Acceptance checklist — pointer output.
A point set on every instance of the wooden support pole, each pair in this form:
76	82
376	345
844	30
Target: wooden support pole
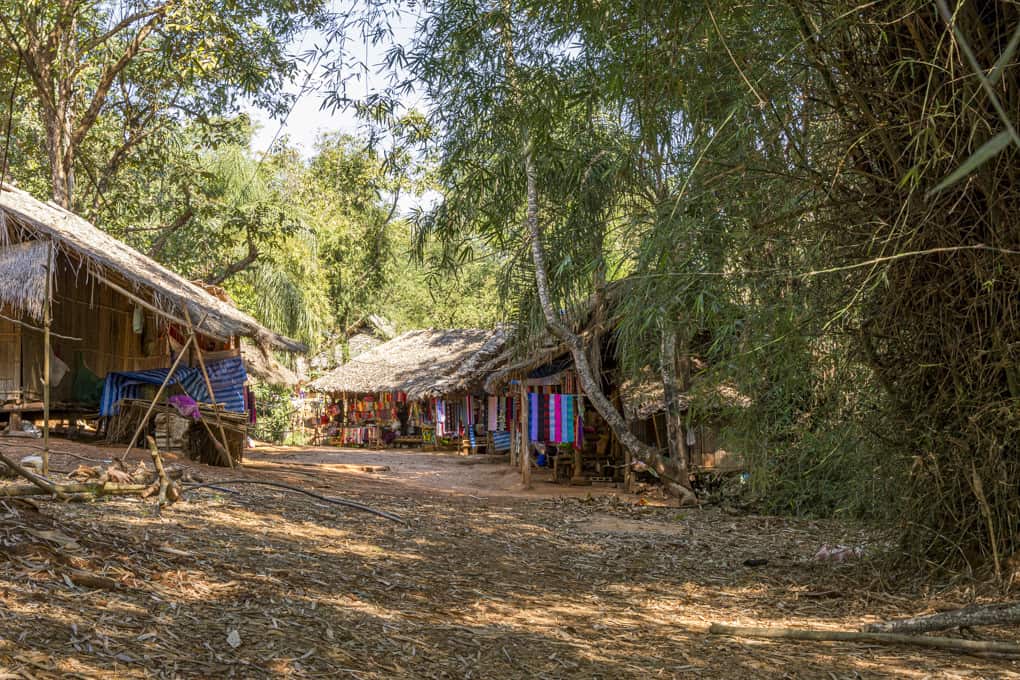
47	321
225	451
155	399
951	644
628	471
526	444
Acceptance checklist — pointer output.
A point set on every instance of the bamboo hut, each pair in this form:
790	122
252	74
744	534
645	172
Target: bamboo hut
591	453
644	407
427	380
76	305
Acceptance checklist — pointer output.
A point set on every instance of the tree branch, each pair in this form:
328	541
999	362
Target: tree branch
110	73
239	266
121	25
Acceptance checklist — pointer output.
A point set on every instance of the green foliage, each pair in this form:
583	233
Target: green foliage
273	414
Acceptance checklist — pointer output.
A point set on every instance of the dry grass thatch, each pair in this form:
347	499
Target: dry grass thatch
80	241
645	397
23	277
264	367
423	363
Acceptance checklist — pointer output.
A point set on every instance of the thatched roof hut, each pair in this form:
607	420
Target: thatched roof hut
34	224
646	397
422	363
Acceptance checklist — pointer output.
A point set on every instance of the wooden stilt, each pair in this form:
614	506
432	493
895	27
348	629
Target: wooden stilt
628	472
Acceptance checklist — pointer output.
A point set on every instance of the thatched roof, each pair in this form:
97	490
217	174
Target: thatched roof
422	363
264	367
645	397
23	277
104	256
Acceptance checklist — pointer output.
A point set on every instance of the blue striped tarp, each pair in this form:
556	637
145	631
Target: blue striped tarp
128	385
501	441
227	378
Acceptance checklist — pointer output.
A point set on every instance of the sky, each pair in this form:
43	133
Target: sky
308	118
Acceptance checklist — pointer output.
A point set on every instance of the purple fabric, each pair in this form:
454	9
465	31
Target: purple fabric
186	406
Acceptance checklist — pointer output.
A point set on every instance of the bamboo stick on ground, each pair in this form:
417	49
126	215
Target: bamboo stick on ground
167	492
949	644
1005	613
39	482
94	490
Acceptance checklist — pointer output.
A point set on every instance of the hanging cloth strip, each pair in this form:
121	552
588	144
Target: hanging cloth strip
440	418
544	417
492	413
554	418
567	418
533	416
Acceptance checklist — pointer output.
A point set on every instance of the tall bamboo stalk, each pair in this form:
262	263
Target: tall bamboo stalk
47	321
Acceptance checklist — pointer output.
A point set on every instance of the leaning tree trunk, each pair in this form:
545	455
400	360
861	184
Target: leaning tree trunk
586	376
679	456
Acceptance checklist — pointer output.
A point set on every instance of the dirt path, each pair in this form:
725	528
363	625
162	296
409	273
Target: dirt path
479	584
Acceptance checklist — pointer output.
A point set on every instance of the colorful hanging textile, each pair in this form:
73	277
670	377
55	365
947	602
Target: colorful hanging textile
533	425
554	418
492	413
440	418
544	417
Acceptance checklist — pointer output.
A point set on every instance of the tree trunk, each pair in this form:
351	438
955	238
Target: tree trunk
61	154
586	376
679	456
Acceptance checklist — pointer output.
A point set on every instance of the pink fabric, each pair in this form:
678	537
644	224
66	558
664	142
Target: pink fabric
557	419
186	406
492	405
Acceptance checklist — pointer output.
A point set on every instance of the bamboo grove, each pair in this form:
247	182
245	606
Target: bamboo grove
814	199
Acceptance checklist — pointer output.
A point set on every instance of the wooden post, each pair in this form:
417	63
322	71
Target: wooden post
628	471
155	399
526	444
47	320
225	451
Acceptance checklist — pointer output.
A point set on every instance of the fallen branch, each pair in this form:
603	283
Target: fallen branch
950	644
39	481
1006	613
92	490
167	490
336	501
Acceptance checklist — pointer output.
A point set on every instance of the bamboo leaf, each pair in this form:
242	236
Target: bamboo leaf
987	151
1006	57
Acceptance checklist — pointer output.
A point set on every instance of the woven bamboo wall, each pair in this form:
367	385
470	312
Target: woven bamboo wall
102	319
10	358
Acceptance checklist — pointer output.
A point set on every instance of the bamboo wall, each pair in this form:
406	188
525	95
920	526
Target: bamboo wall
10	358
82	309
